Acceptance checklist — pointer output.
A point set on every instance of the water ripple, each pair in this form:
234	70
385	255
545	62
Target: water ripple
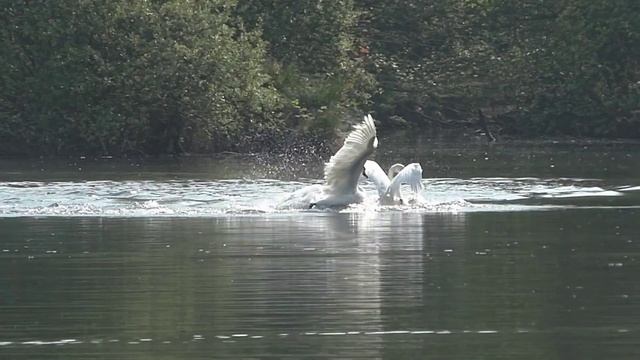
250	197
252	337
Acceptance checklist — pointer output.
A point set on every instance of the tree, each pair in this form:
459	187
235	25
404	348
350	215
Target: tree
313	53
120	76
562	67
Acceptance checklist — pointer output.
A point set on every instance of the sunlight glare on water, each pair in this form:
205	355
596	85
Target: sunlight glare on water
229	197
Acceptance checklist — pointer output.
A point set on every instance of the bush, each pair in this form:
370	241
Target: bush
131	76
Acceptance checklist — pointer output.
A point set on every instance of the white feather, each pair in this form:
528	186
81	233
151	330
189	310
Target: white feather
410	175
374	172
343	170
341	173
389	190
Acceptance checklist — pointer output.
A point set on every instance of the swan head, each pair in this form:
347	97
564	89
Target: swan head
394	170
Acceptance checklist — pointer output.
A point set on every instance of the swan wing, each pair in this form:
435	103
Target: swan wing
343	170
410	175
374	172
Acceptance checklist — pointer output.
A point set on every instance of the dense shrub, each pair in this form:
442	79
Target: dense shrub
123	76
313	51
168	76
540	68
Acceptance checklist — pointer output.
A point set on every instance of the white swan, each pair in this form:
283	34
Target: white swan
388	185
341	173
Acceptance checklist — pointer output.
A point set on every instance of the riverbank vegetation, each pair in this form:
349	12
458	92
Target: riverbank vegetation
169	76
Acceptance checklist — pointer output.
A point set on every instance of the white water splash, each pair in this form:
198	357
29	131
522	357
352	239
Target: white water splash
193	198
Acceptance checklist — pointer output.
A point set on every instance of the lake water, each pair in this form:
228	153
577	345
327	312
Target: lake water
520	250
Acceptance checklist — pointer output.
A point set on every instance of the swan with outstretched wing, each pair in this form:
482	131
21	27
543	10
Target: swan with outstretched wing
341	173
389	184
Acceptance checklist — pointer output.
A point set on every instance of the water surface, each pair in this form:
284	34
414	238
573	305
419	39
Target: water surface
523	250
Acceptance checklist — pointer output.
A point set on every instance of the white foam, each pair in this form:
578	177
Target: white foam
243	197
630	188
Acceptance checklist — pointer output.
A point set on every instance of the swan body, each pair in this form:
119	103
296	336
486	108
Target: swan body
388	185
341	173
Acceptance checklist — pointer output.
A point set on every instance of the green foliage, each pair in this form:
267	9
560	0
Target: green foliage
424	54
312	47
561	67
167	76
575	64
121	76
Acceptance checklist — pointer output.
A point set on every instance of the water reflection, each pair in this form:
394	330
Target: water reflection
264	277
332	284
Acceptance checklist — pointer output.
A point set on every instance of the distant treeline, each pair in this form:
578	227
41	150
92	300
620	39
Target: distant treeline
170	76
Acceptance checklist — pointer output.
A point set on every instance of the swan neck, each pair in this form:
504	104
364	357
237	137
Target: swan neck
394	170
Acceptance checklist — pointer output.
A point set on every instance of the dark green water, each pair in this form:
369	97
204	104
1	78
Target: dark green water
553	274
